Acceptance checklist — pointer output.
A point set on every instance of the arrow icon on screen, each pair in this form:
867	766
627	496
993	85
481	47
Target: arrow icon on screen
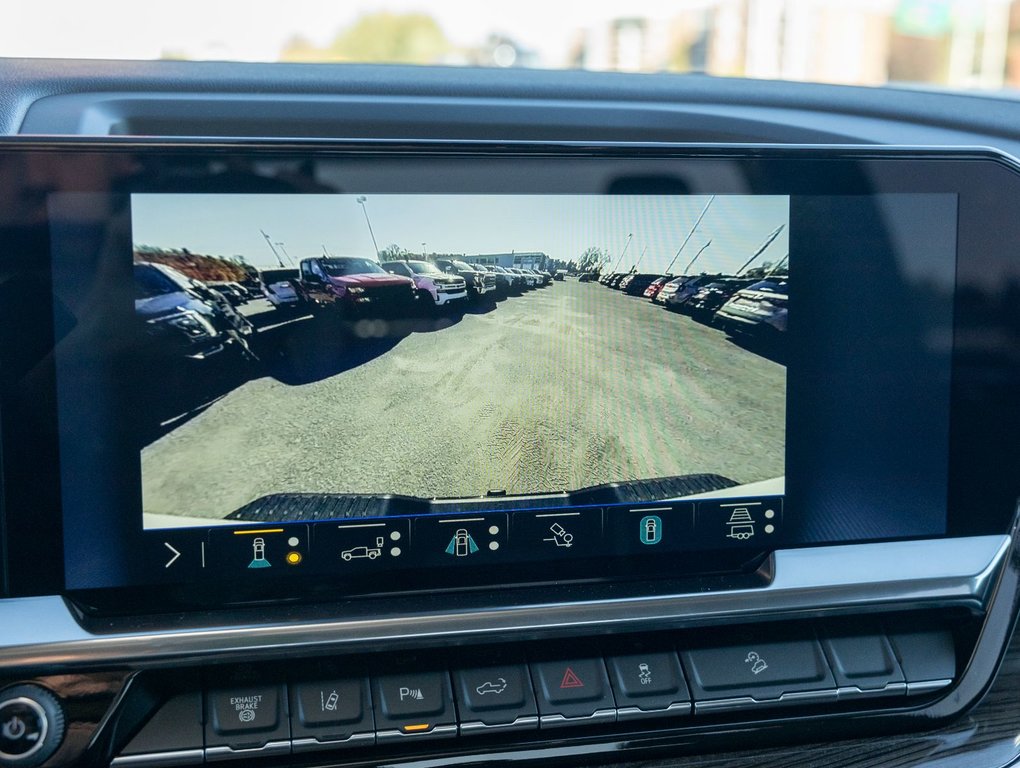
173	559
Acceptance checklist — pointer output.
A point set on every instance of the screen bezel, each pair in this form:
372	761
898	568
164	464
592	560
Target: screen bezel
980	177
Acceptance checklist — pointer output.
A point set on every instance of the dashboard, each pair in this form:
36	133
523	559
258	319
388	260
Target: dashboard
434	417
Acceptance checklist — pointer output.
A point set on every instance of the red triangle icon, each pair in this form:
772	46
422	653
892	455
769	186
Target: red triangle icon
571	680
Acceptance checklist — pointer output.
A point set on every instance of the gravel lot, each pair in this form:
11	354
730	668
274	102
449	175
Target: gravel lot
564	387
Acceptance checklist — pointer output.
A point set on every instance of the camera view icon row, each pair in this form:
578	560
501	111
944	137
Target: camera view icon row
368	544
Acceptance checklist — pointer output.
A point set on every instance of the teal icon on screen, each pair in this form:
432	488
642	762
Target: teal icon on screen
462	544
258	559
650	530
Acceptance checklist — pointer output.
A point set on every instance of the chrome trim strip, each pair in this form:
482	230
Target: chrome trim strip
41	632
853	692
312	744
749	702
229	753
555	720
160	759
633	713
477	726
927	686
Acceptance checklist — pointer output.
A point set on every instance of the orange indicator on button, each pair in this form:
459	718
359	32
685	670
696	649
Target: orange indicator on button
293	558
416	728
252	532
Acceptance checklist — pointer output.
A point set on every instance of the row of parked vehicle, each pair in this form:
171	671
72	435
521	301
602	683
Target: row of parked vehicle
198	320
354	286
739	305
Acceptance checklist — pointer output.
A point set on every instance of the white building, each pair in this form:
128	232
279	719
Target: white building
529	259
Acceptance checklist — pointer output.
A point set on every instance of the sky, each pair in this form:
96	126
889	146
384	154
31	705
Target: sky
561	226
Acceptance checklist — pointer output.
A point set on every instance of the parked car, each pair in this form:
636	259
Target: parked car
233	292
544	278
280	287
560	275
190	319
617	279
355	287
252	288
588	277
506	282
656	285
530	280
758	310
637	283
707	300
479	283
547	276
677	298
608	277
435	287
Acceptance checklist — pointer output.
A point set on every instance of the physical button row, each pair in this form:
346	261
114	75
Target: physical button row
419	705
350	712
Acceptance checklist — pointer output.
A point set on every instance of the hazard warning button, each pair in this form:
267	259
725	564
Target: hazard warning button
574	691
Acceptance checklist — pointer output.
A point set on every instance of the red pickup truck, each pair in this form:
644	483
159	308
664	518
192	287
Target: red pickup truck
355	287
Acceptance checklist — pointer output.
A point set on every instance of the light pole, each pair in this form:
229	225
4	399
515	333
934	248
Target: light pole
641	257
272	248
624	253
284	252
690	234
701	251
362	202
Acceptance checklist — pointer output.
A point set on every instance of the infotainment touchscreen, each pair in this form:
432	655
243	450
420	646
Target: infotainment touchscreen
346	362
258	372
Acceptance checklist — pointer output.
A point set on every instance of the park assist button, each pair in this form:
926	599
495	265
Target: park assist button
414	704
495	697
246	717
758	671
573	692
648	684
749	523
331	712
649	528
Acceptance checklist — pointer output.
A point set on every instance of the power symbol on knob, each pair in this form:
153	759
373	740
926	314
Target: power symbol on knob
31	725
14	728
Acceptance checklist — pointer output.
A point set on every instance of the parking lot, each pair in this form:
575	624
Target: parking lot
563	387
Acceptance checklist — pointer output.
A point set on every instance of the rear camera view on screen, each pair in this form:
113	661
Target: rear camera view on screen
308	351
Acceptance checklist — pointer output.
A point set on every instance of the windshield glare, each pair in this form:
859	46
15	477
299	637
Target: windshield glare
948	43
341	267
